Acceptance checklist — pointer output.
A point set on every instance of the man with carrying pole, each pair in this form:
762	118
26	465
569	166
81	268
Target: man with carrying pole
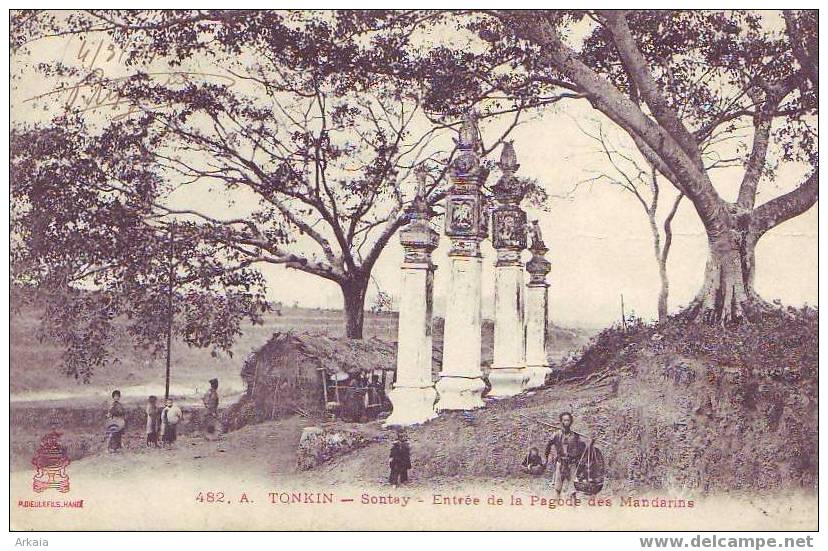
568	448
576	461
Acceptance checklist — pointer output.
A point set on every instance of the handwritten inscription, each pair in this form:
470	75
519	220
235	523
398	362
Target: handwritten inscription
94	90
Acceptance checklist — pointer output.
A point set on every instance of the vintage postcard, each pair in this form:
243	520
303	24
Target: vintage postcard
413	270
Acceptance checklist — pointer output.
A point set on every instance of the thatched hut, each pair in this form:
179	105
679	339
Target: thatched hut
315	373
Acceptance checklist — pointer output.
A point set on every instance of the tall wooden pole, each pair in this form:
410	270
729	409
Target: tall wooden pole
170	276
623	314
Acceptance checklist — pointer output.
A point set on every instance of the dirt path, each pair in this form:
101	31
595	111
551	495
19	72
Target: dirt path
268	449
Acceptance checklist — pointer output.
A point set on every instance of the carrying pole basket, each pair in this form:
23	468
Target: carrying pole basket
589	473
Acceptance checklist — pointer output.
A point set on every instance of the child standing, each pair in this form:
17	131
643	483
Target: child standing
400	460
170	416
116	422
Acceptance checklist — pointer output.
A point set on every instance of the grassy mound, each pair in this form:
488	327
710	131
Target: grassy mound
701	408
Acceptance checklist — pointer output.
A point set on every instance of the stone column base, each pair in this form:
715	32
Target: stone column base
507	381
460	393
412	406
537	375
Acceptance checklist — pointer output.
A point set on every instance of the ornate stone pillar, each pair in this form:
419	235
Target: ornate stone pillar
537	316
508	376
413	395
461	380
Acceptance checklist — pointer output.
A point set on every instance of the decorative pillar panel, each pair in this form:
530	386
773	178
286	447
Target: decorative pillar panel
413	395
537	316
461	381
508	376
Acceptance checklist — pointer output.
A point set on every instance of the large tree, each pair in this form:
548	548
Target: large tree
674	79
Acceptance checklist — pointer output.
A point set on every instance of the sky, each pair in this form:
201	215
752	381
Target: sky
599	239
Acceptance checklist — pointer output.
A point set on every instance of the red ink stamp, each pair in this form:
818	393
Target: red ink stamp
50	462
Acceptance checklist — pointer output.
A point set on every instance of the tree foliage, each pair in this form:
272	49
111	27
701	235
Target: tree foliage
285	114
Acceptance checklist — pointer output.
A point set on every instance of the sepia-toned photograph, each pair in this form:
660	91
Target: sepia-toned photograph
413	270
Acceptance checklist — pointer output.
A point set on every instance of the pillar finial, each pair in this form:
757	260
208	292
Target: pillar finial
508	188
466	168
469	138
417	237
508	158
536	244
420	209
538	266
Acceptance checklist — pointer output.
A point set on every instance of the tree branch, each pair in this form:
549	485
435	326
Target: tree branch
638	72
787	206
668	228
756	161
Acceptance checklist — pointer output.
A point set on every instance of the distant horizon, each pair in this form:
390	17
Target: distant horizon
395	312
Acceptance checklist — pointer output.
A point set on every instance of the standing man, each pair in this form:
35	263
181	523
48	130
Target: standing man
116	422
170	417
568	447
357	398
400	460
211	404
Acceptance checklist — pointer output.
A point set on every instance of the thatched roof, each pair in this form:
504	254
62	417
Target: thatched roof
283	375
334	354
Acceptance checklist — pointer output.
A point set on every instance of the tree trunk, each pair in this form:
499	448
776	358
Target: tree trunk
353	293
661	259
727	294
664	292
